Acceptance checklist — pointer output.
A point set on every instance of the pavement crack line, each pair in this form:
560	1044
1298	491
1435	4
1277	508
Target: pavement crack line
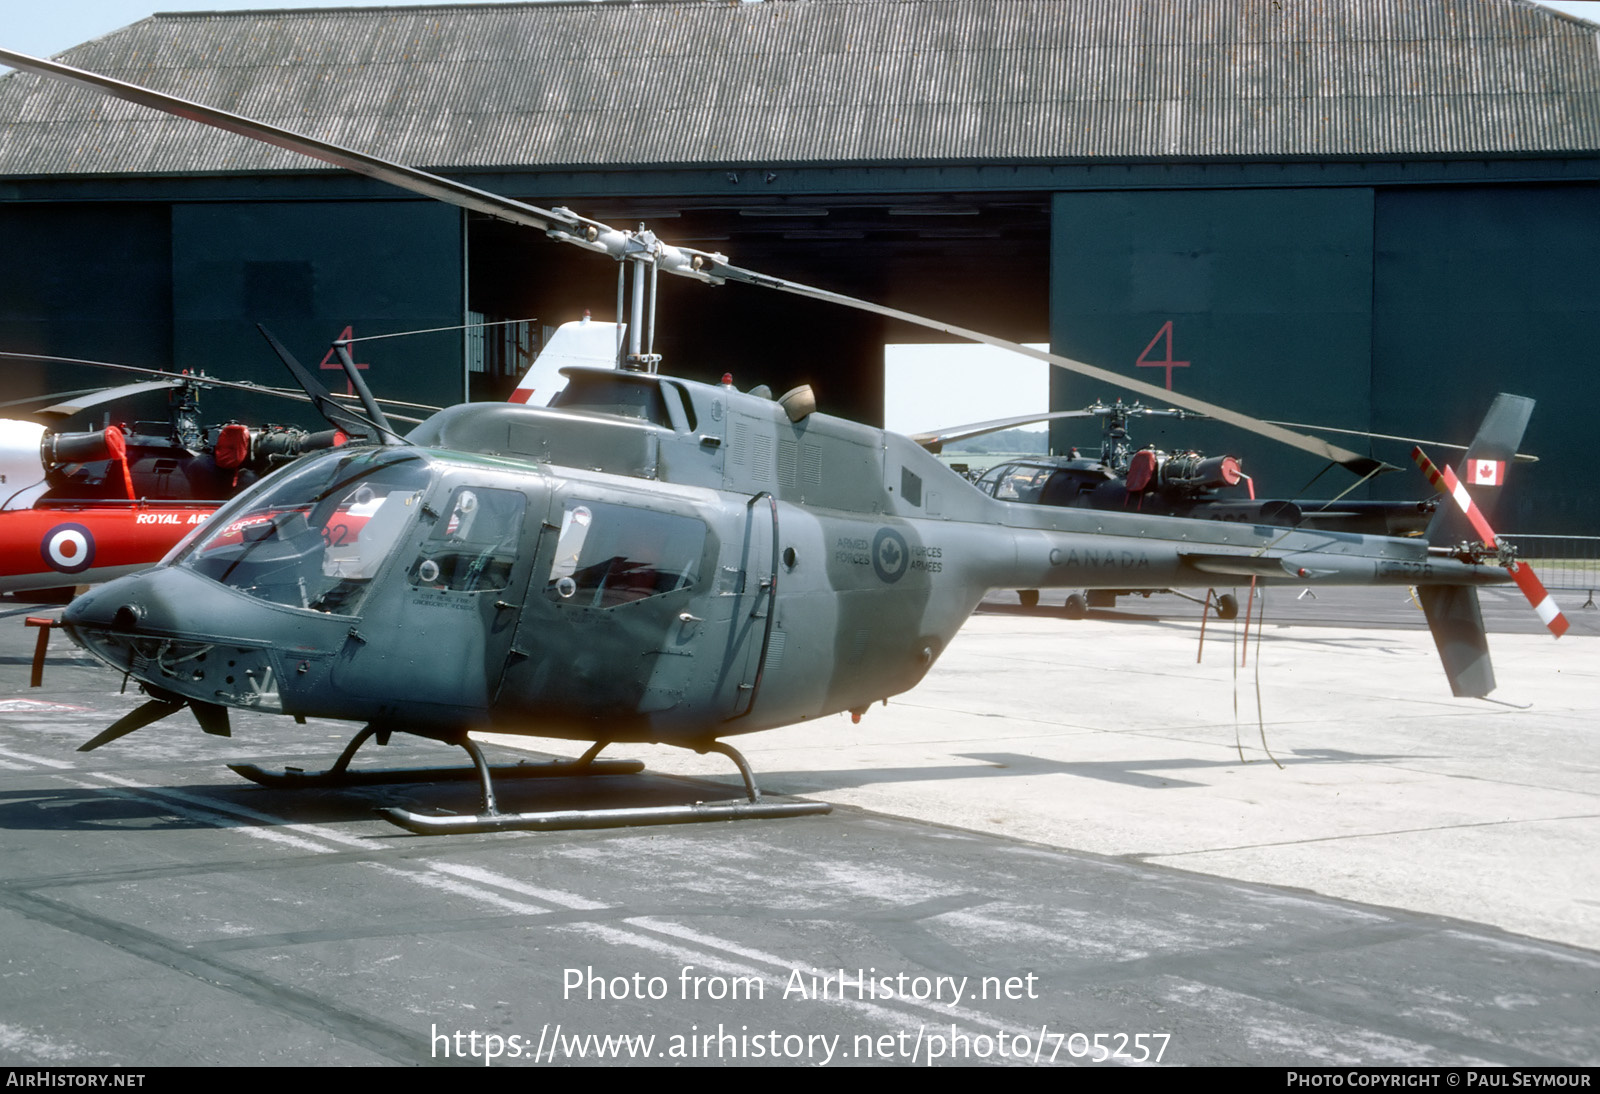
1156	856
389	1042
469	882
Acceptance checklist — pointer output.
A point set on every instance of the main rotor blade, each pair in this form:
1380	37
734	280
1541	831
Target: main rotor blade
77	405
407	178
935	441
173	379
1361	465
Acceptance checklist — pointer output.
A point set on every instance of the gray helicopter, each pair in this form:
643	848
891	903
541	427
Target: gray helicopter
647	559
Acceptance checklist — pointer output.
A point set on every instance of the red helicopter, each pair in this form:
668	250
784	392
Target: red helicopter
79	507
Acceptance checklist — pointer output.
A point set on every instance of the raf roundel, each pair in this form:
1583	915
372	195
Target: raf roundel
68	548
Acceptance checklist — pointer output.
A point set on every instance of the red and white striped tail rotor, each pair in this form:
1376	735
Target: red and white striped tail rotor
1445	481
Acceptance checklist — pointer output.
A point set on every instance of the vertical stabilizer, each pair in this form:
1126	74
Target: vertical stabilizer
1457	626
1483	470
1454	617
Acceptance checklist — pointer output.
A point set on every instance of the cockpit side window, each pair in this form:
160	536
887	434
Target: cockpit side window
473	544
608	555
1021	483
992	477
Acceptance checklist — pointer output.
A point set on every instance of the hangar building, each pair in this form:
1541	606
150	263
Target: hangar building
1352	213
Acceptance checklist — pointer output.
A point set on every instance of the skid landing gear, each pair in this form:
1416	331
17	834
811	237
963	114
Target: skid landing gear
340	775
489	818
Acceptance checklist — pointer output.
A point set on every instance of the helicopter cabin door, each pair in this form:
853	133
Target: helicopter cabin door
616	629
747	587
447	630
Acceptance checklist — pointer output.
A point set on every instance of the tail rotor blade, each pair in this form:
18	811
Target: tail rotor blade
1445	481
1534	590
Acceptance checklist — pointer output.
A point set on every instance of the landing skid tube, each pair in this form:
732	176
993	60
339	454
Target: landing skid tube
340	775
490	819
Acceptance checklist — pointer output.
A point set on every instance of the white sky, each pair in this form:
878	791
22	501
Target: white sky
935	387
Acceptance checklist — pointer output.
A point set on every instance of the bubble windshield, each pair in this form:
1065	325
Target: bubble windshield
317	536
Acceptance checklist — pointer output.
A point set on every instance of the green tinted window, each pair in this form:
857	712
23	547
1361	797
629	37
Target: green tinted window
473	544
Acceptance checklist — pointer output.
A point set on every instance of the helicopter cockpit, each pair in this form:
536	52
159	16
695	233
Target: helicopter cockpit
315	538
1058	481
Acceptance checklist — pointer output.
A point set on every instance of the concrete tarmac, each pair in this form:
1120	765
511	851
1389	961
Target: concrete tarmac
1333	759
1070	828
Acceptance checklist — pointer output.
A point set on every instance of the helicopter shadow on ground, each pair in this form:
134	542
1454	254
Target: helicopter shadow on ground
194	806
1144	774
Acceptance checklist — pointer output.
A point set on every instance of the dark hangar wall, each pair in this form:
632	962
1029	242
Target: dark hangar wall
1402	310
1486	289
183	285
82	279
307	270
1264	294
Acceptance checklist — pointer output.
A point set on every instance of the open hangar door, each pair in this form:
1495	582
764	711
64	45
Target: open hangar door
982	263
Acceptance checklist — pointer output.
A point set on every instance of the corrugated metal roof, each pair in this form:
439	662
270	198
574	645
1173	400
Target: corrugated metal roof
713	82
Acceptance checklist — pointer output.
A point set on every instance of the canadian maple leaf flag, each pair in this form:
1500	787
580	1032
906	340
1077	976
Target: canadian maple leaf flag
1486	472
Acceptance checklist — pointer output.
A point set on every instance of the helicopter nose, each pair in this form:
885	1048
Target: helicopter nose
128	604
199	641
109	620
171	610
159	626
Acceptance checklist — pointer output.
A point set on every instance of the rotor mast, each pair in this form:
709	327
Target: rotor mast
640	257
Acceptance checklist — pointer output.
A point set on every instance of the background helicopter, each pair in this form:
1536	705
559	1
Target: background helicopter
91	505
649	558
1181	483
81	506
